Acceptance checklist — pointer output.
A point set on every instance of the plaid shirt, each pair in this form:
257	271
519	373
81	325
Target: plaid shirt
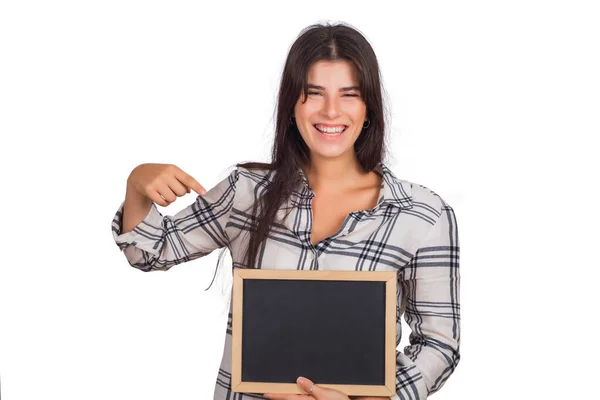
411	230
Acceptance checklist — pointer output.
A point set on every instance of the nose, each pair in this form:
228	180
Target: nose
332	107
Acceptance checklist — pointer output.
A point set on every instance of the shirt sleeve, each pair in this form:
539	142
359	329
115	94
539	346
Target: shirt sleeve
431	287
158	242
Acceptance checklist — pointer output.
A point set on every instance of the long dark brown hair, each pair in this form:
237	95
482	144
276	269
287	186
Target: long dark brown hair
318	42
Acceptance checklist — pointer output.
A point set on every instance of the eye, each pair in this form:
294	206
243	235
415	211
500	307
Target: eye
345	95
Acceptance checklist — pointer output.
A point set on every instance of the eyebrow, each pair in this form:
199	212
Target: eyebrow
344	89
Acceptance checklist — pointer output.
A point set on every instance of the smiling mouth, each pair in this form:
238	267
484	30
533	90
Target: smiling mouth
330	131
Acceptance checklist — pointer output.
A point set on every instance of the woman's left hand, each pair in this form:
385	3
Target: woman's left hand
314	392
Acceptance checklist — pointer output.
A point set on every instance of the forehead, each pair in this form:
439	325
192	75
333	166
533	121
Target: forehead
332	74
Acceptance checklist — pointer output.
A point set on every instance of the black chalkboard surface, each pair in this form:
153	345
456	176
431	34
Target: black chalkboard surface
336	328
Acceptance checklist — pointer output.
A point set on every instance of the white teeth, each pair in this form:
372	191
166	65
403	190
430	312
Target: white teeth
324	129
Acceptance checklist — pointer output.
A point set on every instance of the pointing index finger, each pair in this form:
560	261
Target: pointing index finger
197	187
191	183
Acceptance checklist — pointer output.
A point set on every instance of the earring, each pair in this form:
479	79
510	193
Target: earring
368	121
292	120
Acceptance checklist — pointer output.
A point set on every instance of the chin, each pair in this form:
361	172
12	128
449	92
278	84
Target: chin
332	154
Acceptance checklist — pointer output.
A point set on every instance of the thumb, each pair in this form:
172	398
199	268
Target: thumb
309	387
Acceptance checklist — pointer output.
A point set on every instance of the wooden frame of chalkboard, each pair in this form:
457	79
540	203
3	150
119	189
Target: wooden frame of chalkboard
337	328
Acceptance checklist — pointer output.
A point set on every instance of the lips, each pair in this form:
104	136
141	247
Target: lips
316	126
330	136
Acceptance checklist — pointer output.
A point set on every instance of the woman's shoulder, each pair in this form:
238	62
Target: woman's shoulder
250	169
247	177
424	194
412	194
250	175
428	206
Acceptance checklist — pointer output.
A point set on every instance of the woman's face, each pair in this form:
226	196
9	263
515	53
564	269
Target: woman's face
334	104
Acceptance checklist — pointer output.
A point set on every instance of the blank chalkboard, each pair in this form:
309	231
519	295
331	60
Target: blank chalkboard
336	328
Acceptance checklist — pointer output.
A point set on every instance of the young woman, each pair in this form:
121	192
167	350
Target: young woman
325	201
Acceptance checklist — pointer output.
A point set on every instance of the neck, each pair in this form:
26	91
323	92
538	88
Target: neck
334	174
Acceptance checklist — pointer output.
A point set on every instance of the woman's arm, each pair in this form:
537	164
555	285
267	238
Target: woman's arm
158	242
135	208
430	285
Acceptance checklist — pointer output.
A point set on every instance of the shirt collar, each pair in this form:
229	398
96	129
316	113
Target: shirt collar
394	191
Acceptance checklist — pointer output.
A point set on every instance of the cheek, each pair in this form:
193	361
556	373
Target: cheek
356	110
305	110
299	111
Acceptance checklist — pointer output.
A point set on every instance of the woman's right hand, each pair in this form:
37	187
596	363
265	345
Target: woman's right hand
162	183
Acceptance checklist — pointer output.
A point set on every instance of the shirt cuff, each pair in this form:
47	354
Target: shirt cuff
145	236
410	383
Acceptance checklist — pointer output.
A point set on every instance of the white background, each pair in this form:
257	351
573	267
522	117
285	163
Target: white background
494	106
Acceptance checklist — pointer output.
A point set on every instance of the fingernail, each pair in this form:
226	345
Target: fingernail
301	381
